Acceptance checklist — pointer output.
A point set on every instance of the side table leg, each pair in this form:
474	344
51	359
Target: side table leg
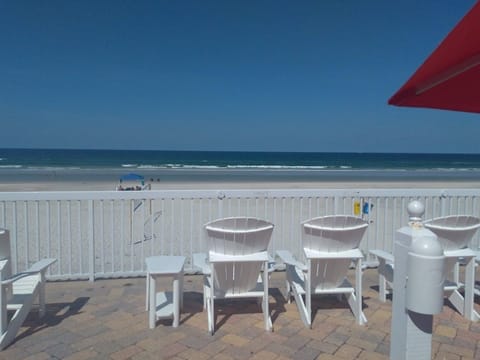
152	305
176	300
181	290
469	285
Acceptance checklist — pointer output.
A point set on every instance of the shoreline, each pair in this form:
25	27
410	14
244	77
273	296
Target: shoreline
168	179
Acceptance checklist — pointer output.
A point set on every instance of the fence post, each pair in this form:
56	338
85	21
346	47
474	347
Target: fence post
91	241
417	288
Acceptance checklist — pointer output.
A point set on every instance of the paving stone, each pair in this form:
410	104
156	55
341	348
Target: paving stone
172	349
82	355
240	353
347	351
193	354
39	356
306	353
235	340
323	346
457	350
126	353
264	355
446	331
362	344
214	348
369	355
59	351
336	338
296	341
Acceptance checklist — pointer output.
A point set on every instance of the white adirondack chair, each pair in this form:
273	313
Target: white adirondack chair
330	245
236	258
18	292
454	233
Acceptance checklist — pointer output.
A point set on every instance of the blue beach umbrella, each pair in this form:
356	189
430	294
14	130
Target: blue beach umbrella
132	177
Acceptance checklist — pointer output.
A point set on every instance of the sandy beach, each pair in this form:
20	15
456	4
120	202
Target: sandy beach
166	179
107	186
166	185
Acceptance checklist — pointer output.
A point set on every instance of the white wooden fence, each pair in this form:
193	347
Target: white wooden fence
109	234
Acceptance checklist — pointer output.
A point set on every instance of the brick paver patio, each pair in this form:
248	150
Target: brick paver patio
107	320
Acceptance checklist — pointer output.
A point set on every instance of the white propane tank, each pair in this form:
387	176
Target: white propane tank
426	276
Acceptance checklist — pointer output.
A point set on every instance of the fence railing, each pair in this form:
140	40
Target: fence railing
110	233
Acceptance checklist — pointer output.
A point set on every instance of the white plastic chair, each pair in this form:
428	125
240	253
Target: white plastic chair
454	233
330	245
236	258
18	292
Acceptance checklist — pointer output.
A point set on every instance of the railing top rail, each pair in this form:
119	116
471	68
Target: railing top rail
232	193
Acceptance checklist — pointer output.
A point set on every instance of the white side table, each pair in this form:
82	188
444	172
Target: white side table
168	303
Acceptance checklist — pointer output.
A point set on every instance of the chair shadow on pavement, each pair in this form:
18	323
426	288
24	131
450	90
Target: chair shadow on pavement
334	305
376	289
226	308
55	314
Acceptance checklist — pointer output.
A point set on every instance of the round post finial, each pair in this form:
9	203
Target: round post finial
415	209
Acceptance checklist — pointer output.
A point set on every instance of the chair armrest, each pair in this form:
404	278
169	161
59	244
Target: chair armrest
200	262
41	265
383	255
4	269
287	257
11	280
271	264
3	264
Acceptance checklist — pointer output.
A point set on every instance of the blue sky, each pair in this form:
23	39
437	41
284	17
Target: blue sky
223	75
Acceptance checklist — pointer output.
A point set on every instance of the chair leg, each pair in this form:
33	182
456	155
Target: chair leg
205	289
147	293
266	310
41	296
3	310
288	281
211	316
382	288
355	299
304	310
211	303
288	292
382	281
308	292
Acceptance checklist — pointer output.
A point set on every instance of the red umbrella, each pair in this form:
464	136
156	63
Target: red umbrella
450	77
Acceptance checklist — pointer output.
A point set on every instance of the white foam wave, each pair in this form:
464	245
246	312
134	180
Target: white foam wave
281	167
11	166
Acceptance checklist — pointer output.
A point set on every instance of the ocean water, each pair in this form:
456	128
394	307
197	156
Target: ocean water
36	164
